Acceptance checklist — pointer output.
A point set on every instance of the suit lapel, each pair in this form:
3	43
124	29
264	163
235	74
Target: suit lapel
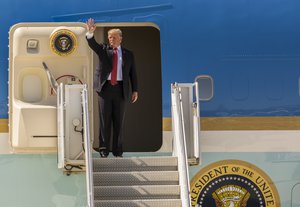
124	58
110	55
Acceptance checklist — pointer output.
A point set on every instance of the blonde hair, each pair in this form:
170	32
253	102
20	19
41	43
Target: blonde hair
114	31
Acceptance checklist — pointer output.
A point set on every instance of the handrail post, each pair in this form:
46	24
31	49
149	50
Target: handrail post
180	145
87	146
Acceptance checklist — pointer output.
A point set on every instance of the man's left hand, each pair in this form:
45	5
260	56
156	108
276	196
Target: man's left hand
134	97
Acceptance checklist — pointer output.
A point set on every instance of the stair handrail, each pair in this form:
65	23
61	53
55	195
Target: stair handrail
196	124
180	145
87	146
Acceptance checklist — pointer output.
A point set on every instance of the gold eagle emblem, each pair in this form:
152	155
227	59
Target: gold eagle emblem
63	42
231	196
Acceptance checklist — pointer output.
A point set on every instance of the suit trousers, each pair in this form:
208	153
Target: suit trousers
111	112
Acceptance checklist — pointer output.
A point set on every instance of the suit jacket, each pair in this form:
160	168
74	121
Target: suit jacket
105	54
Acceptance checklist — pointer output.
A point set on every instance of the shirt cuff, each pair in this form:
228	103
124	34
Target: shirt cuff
89	35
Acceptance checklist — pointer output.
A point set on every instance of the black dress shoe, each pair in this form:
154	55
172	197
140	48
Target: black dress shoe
117	153
103	154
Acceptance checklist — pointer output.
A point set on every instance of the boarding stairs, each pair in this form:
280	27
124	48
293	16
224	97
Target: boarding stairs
135	180
156	181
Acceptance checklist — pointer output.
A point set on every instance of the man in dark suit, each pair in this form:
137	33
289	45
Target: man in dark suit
116	71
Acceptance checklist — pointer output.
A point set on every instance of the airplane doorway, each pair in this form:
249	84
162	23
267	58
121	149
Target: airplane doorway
143	120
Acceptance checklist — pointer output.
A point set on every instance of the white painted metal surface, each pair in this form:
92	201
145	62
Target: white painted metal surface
88	147
60	127
191	116
180	145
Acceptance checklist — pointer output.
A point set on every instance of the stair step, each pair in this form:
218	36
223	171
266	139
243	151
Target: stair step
136	178
139	203
136	192
135	164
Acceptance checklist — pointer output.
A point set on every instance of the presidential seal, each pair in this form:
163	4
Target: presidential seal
233	183
63	42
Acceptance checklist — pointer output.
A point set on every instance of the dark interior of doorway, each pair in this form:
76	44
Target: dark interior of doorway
143	120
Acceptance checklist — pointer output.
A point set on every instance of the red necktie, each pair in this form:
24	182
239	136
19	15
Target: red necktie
113	77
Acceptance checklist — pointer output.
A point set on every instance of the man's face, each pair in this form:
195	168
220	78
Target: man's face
114	39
